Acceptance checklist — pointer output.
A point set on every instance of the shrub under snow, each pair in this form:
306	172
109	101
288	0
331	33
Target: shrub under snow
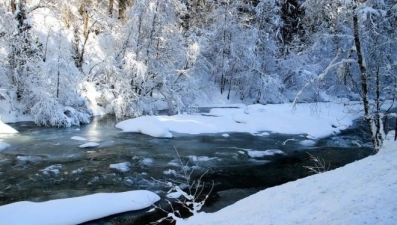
50	112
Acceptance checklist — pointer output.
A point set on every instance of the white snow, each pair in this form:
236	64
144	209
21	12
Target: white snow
8	114
6	129
174	195
3	146
261	134
29	158
363	192
170	172
203	158
78	138
89	145
53	169
259	154
75	210
77	171
122	167
92	95
147	161
149	125
307	142
225	135
317	120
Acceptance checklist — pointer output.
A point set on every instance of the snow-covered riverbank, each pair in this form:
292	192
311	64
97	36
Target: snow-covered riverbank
6	129
315	119
359	193
75	210
362	192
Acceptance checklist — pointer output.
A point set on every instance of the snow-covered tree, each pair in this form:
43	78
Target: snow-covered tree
40	77
361	28
151	62
243	47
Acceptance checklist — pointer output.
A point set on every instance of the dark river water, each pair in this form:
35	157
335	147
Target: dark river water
46	163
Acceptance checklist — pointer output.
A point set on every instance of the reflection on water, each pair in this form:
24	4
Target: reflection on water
45	163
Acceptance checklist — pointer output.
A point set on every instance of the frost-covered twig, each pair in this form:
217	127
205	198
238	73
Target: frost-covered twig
291	139
298	95
188	198
320	165
335	62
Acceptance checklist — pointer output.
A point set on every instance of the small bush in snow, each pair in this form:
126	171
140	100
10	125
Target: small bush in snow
49	112
320	166
188	193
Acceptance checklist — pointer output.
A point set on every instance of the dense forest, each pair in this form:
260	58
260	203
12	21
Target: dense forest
61	62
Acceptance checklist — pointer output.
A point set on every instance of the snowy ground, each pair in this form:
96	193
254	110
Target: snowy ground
363	192
75	210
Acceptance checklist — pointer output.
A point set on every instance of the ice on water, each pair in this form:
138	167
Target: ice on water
122	167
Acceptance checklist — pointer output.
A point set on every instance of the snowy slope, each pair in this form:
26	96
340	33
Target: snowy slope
363	192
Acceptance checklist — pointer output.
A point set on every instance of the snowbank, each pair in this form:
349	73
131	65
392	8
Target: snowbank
363	192
6	129
75	210
317	120
149	125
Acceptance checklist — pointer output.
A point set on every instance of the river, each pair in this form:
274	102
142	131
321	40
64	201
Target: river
46	163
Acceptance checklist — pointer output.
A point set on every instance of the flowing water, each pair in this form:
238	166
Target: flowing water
46	163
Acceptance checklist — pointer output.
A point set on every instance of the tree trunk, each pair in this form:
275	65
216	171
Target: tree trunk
373	128
58	80
223	62
85	18
379	135
21	17
76	47
110	8
122	7
151	35
13	6
83	12
226	50
138	41
395	131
